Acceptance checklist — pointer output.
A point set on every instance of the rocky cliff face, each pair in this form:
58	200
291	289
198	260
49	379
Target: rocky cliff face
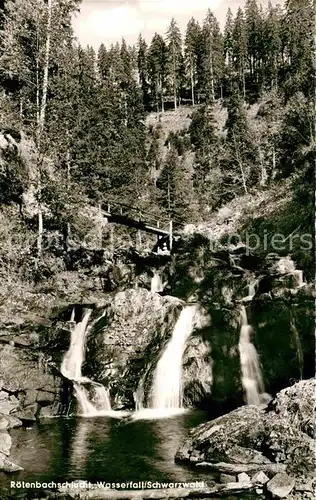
134	326
124	347
126	343
279	305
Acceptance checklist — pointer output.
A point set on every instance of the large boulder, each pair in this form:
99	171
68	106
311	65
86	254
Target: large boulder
280	433
197	371
8	466
5	443
281	485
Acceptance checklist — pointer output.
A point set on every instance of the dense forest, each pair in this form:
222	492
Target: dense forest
79	121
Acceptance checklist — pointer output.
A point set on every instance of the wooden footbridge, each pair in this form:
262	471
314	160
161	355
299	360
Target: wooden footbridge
125	215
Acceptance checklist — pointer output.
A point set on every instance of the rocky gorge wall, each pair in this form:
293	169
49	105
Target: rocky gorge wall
135	324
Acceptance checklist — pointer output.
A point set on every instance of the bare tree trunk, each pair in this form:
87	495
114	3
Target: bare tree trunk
46	67
100	226
169	198
161	95
125	110
243	83
211	70
298	347
273	173
192	87
68	190
174	86
314	61
264	175
21	108
241	167
41	112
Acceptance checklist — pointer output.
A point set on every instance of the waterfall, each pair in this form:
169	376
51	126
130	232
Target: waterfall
287	266
73	359
156	284
71	369
251	375
252	289
167	387
72	317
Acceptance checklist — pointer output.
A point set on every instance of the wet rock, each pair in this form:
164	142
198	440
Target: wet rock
14	400
260	477
197	371
243	478
223	439
13	421
20	373
304	486
46	412
227	478
6	407
5	443
3	423
3	396
45	398
30	397
281	485
26	339
8	466
28	414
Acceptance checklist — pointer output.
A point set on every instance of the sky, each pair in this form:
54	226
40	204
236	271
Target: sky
107	21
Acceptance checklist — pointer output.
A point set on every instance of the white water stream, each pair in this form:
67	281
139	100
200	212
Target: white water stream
251	376
156	284
167	387
71	369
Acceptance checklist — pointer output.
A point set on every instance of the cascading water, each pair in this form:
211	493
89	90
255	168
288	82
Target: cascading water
73	359
71	369
251	375
252	289
156	284
167	388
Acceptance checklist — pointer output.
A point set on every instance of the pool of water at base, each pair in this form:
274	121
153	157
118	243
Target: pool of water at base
101	449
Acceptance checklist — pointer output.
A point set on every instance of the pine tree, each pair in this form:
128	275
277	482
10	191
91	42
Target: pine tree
207	148
229	45
296	140
191	52
213	55
103	62
272	45
299	43
240	49
142	65
254	43
172	187
241	168
157	69
175	57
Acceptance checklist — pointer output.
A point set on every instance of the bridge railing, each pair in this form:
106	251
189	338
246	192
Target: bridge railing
118	208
